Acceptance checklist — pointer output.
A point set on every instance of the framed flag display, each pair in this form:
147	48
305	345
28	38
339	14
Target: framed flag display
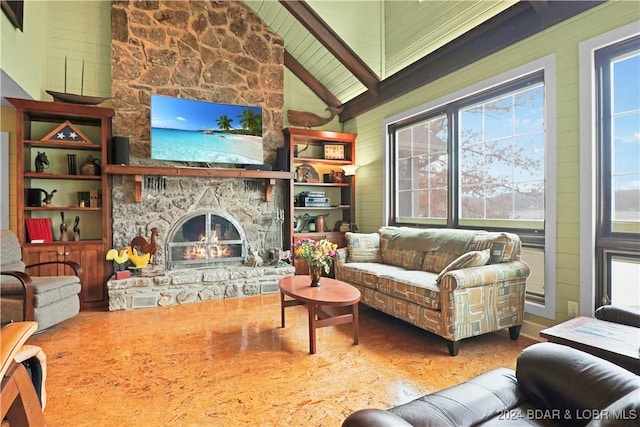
66	132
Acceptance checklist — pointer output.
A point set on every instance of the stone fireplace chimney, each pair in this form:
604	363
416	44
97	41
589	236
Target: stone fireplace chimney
217	51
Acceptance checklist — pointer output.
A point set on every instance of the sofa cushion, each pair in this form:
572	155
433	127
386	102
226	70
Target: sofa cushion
505	247
469	259
363	247
47	289
418	287
364	273
423	249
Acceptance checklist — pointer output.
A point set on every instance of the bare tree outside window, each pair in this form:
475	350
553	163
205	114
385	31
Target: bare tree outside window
422	169
501	149
500	146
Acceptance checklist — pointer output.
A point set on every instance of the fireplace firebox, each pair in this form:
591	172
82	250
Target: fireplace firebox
204	239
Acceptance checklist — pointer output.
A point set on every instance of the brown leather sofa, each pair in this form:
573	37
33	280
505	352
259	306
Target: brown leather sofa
553	385
629	316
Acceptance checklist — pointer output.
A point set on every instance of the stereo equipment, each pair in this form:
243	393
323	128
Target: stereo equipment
282	156
34	197
119	151
312	194
263	167
315	202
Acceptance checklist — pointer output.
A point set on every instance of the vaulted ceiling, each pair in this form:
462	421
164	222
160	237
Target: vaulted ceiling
360	54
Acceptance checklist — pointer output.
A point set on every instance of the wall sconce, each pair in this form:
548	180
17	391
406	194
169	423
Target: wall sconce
349	170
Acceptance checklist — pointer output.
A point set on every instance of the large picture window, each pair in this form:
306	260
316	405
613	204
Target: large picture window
478	160
618	199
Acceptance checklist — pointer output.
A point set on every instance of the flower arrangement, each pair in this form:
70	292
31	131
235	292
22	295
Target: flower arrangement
317	253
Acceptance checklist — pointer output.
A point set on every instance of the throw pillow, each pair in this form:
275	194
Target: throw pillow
469	259
362	247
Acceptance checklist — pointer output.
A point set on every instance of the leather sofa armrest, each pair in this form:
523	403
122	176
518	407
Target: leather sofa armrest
483	275
374	418
623	315
549	375
470	403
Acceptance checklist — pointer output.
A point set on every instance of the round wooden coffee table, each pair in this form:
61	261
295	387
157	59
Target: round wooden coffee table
332	303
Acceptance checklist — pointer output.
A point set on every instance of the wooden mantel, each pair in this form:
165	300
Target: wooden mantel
139	171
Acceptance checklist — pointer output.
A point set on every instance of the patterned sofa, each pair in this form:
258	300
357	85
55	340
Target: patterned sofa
453	283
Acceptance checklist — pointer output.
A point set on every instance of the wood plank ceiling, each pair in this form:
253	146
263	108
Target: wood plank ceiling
359	54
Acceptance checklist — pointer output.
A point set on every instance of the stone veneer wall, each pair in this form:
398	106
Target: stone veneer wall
218	51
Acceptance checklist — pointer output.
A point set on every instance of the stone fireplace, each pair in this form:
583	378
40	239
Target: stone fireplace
218	51
204	239
207	231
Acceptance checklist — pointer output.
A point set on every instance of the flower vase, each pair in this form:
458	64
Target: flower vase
315	273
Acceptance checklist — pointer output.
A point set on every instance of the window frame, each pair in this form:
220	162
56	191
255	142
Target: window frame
590	207
545	240
609	243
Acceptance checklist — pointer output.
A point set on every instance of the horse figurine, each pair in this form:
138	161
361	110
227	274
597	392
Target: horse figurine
144	247
41	161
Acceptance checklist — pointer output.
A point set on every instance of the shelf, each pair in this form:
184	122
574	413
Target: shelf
316	208
65	243
322	184
45	175
308	146
194	172
60	208
322	161
139	171
34	120
63	145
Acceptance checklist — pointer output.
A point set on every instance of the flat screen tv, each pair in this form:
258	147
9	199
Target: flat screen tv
188	130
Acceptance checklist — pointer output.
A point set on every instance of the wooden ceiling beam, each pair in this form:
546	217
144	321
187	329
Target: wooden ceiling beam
512	25
312	83
329	39
539	5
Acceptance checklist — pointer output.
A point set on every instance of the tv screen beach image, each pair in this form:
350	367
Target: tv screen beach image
199	131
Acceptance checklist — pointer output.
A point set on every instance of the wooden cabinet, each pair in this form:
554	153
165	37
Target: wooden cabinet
75	140
320	187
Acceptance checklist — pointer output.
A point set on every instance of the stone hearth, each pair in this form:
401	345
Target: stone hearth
160	288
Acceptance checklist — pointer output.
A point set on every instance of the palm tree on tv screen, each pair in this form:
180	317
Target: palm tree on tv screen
224	122
251	122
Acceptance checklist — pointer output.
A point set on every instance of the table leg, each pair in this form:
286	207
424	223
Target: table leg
355	323
282	308
312	328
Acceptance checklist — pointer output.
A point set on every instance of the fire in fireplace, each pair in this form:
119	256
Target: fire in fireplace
206	238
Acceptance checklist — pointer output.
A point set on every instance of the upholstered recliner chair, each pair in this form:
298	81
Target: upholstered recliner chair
47	300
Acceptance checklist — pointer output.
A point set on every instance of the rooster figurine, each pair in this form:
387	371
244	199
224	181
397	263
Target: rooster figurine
150	247
138	260
119	259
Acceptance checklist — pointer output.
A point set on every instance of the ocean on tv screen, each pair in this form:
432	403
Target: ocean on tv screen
205	146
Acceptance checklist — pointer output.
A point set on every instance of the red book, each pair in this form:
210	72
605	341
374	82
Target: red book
39	229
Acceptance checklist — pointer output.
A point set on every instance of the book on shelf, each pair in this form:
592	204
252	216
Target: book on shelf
39	230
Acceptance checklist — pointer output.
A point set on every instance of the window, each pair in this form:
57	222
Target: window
618	165
501	158
477	159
